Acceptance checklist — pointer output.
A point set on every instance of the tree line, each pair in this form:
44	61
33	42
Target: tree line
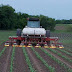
9	19
63	21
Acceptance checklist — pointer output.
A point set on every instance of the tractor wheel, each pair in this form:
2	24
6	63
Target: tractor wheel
48	35
18	33
18	42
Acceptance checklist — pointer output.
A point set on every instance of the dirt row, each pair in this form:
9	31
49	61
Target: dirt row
60	58
20	65
70	57
68	50
5	60
37	64
51	62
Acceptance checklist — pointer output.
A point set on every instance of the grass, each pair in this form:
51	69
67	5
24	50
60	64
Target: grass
2	42
63	24
60	28
5	34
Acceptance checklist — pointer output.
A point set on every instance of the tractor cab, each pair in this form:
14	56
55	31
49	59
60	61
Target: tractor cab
33	23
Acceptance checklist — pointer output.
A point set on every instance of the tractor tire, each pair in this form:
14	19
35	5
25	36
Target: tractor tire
48	35
18	33
18	42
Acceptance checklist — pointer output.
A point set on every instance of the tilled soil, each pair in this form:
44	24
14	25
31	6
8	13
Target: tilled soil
68	50
4	60
70	57
60	58
51	62
37	64
20	64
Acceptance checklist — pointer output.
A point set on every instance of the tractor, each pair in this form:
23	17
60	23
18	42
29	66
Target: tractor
33	35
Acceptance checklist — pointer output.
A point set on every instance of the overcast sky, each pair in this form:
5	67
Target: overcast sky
58	9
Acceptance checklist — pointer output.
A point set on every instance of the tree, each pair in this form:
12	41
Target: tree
9	19
6	17
47	23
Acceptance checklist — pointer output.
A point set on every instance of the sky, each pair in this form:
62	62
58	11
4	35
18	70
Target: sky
58	9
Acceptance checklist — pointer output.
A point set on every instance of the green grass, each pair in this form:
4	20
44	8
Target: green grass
65	28
5	34
63	24
61	31
64	41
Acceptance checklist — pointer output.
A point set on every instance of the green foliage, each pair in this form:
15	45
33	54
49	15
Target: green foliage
12	58
47	23
6	17
2	42
63	21
9	19
28	60
2	51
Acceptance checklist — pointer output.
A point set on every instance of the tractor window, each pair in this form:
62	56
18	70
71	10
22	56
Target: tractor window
33	24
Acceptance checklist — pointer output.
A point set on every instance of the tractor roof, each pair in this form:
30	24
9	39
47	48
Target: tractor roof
33	19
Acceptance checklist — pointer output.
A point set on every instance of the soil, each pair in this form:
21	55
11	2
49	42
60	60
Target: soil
2	46
37	64
70	57
50	61
68	50
60	58
20	64
4	60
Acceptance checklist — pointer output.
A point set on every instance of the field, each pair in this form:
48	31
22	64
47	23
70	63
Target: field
62	27
16	59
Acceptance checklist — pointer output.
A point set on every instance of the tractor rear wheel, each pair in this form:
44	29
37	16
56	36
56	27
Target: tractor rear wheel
18	42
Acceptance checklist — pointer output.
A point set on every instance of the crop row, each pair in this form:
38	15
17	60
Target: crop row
12	58
28	60
67	49
59	54
64	51
2	51
56	60
51	69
